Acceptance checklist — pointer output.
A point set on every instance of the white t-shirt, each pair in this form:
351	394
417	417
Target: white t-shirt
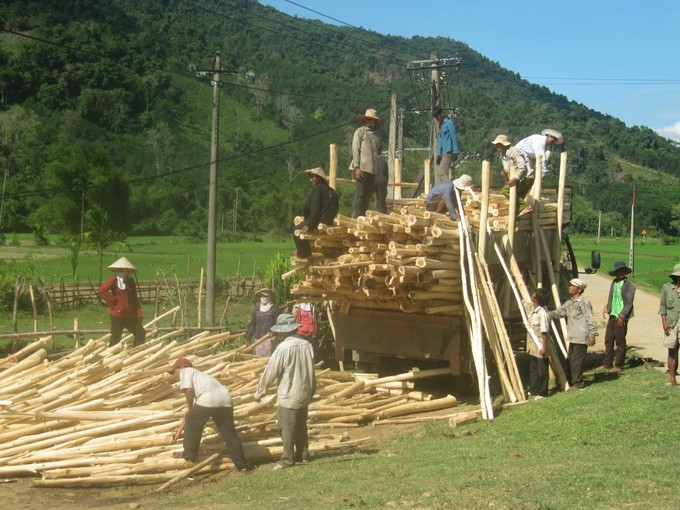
209	391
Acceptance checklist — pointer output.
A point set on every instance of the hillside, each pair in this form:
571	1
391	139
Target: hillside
103	117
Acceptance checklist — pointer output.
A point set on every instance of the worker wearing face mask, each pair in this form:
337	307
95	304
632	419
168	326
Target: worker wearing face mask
263	318
120	294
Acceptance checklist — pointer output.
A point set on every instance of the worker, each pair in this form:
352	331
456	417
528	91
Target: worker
523	178
366	149
618	311
206	398
292	367
321	207
125	310
669	309
440	198
539	373
447	144
535	145
261	320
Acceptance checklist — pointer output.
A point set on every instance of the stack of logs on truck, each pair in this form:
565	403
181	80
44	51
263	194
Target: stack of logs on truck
415	285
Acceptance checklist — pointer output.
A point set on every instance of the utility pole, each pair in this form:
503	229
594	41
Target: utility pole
212	197
391	148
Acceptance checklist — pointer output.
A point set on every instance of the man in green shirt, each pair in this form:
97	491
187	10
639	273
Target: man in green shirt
618	311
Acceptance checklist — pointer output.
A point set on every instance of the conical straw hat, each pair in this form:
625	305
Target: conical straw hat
122	263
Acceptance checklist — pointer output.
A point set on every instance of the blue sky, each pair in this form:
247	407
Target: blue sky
619	57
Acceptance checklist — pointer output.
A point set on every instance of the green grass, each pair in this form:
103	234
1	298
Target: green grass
653	260
612	445
150	255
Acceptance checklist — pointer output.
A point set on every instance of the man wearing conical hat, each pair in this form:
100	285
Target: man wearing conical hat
366	149
120	294
321	207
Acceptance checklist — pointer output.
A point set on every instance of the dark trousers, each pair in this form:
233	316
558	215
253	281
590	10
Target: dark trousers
523	187
615	334
293	430
539	376
577	355
134	326
223	417
304	249
363	193
381	179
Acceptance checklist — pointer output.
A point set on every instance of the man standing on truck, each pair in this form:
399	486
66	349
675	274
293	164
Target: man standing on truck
366	149
447	144
533	145
617	311
581	330
523	178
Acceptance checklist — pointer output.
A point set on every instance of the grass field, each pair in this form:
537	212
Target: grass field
612	445
653	261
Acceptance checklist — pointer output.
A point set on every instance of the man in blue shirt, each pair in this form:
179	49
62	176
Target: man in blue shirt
447	144
440	197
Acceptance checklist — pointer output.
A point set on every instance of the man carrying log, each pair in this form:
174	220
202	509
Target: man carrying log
536	145
206	398
440	198
321	207
292	366
523	179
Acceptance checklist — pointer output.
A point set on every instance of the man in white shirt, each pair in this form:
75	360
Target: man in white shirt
535	145
206	398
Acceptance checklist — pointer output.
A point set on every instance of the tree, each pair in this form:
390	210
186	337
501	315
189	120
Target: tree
99	235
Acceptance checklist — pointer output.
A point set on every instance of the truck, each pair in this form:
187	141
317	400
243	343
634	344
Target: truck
390	340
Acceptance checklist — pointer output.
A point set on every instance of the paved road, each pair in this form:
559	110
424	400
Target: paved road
644	330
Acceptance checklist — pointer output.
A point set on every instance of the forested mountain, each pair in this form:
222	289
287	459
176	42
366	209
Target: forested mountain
104	118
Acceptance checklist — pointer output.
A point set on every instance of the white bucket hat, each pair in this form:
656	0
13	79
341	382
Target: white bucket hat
463	182
122	263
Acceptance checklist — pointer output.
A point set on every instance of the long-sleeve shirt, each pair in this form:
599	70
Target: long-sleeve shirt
447	141
443	190
321	206
292	365
366	147
581	324
513	157
670	304
533	145
627	296
123	303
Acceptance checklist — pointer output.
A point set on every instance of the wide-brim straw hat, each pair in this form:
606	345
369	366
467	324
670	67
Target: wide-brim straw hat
318	171
285	323
559	139
370	114
264	291
620	265
122	263
503	140
463	182
676	271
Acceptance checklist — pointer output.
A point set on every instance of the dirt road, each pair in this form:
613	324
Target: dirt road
644	329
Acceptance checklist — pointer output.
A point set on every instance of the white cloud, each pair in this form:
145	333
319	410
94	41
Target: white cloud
671	132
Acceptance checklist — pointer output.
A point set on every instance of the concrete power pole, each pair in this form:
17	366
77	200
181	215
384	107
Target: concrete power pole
391	148
212	198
